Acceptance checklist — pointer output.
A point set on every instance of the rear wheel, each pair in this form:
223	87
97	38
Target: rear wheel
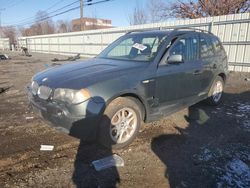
216	92
120	123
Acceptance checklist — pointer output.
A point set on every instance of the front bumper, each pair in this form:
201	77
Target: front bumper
78	120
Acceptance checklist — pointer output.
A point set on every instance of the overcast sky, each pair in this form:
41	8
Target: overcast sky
17	11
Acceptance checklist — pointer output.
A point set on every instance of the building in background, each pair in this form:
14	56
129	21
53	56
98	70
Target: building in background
90	24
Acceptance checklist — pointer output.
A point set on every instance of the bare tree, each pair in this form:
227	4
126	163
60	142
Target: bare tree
22	31
32	30
44	24
9	32
63	26
156	9
203	8
138	16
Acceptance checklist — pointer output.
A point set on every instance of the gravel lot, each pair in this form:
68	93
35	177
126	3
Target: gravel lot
201	146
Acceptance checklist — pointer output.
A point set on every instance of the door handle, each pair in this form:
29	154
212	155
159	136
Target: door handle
197	72
147	81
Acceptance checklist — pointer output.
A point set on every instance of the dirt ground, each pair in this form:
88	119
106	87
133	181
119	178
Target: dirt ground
201	146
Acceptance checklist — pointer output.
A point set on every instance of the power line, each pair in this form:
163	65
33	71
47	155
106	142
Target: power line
103	1
48	17
13	4
55	4
86	4
64	7
60	13
1	16
7	2
23	21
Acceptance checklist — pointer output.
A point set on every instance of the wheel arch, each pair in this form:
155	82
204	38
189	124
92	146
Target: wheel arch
134	96
223	76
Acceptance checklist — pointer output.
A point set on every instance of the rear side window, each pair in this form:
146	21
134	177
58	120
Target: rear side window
187	47
206	47
217	45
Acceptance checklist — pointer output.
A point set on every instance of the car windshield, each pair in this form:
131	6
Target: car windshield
134	47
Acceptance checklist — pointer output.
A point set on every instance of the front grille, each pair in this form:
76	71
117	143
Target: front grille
44	92
34	87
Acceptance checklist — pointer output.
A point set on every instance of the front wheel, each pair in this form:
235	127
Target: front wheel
120	123
216	92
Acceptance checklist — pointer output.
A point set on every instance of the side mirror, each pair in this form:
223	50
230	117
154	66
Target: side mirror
175	59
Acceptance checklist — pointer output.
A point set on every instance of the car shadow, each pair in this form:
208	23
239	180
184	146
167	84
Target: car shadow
208	127
89	150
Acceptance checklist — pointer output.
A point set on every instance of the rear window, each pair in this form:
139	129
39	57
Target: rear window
217	45
206	47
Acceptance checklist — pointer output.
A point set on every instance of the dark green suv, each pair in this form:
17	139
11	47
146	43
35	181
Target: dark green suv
142	76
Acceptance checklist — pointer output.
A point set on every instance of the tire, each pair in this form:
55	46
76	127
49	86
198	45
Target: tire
120	123
216	92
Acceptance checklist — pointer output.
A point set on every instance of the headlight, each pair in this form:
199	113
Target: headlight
44	92
71	96
34	87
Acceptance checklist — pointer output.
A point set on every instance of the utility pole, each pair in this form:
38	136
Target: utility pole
2	9
81	15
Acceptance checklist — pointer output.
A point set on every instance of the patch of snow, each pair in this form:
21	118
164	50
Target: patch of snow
228	166
238	167
236	174
246	125
240	115
206	155
243	111
244	108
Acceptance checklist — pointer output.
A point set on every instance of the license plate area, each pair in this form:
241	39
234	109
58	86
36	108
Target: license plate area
37	111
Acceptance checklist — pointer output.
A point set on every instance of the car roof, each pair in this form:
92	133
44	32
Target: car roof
168	32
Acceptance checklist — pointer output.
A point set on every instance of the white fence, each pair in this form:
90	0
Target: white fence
233	30
4	44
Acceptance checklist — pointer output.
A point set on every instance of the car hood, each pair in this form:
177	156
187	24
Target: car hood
84	73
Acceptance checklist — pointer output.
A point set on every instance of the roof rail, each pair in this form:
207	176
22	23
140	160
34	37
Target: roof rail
169	29
136	30
193	29
142	30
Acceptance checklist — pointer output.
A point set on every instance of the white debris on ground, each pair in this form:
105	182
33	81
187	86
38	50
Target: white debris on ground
107	162
46	148
237	174
28	118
